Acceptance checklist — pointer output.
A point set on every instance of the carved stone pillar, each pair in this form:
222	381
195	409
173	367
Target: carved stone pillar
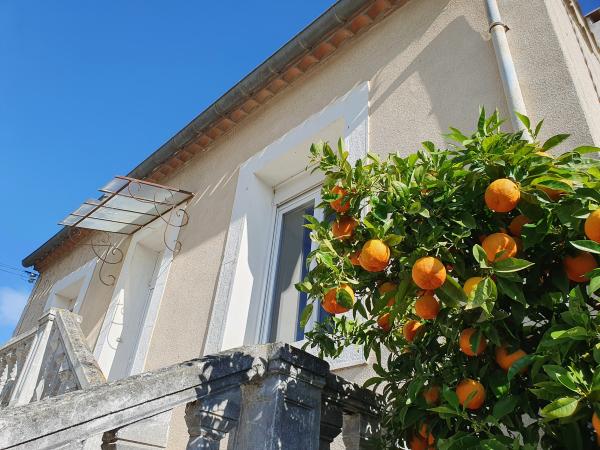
147	434
212	418
282	409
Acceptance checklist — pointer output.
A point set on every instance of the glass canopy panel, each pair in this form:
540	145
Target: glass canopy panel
126	205
104	225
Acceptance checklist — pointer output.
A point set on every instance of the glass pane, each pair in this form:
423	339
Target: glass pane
294	247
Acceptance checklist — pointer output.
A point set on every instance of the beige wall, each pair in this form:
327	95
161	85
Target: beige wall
430	65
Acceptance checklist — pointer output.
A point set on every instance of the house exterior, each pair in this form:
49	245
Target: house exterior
218	273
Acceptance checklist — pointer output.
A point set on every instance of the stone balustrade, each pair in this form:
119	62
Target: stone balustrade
12	359
46	361
263	397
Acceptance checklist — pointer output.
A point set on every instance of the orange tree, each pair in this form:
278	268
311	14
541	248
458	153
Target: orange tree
468	273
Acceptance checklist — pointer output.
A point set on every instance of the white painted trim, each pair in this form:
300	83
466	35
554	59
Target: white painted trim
103	352
85	272
246	250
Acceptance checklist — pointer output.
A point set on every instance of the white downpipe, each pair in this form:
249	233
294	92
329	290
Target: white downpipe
506	66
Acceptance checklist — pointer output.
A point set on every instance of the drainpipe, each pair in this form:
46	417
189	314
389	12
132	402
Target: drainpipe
506	66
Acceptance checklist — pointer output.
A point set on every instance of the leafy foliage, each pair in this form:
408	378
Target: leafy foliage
431	203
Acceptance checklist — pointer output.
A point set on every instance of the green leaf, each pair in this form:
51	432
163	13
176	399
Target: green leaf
524	120
344	298
554	141
484	296
505	406
586	149
519	365
393	239
306	315
560	374
451	397
451	293
511	290
444	410
587	246
559	408
575	334
480	256
511	265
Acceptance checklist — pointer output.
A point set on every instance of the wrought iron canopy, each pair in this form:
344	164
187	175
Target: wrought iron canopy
127	204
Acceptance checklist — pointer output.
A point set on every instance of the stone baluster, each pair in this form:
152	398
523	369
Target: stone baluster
332	419
9	378
282	409
212	418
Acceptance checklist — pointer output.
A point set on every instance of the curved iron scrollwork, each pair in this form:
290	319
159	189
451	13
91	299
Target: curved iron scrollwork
173	215
104	249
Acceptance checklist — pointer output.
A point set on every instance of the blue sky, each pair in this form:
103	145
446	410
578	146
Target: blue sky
89	89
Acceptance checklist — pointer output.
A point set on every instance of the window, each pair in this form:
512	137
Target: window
288	266
69	292
266	248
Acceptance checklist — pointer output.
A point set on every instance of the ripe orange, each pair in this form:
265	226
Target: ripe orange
592	226
577	266
410	329
330	303
505	360
384	322
516	225
465	342
502	195
374	256
339	204
426	306
465	388
387	286
471	284
418	443
428	273
497	242
432	395
596	425
354	258
343	227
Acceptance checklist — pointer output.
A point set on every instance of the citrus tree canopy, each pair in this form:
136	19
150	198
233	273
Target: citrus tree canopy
469	275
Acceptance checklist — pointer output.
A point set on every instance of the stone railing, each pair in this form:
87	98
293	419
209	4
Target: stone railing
265	397
12	359
57	360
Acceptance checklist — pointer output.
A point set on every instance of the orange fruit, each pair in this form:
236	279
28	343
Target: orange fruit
432	395
384	322
577	266
502	195
343	227
387	286
592	226
516	225
465	342
354	258
339	204
410	329
505	360
330	303
428	273
596	425
374	256
426	306
497	242
418	443
471	284
465	388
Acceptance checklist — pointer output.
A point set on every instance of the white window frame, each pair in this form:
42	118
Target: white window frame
284	205
243	270
84	275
